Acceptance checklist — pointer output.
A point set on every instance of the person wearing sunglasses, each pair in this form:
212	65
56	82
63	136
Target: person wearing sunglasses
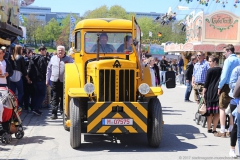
199	75
230	63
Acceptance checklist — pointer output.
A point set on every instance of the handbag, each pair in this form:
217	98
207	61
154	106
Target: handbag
16	76
202	109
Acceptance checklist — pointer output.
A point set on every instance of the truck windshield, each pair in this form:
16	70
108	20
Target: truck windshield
108	42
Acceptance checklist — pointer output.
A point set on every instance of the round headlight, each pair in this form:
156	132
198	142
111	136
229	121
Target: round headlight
89	88
144	88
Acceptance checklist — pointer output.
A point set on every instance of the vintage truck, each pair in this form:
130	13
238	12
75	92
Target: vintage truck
108	87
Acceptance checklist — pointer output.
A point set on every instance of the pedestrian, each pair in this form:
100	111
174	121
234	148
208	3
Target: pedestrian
28	87
210	93
163	68
181	71
55	72
5	70
188	75
19	72
154	71
236	95
37	72
233	106
230	63
199	75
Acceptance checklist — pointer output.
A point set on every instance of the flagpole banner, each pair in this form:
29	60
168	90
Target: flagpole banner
72	26
150	34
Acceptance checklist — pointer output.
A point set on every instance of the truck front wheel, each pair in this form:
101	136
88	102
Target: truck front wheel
75	128
155	125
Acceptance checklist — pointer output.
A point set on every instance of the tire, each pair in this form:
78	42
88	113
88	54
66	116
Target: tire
203	121
6	138
20	133
75	128
155	125
197	118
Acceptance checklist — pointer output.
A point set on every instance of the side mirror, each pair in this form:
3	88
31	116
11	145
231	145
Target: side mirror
170	79
135	42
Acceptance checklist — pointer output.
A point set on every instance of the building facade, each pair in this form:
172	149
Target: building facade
152	15
44	14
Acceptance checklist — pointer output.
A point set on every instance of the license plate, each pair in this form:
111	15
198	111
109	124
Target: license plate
117	121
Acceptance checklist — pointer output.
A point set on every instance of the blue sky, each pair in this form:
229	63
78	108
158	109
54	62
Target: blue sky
159	6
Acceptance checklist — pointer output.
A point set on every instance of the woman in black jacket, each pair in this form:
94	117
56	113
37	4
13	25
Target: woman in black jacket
19	70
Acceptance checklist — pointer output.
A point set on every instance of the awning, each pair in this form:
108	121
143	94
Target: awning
5	42
197	47
11	30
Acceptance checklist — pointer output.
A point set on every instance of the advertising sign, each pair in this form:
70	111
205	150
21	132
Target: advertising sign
221	26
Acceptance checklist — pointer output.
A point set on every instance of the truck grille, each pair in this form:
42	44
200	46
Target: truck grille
108	86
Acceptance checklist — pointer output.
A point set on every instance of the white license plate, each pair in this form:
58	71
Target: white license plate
117	121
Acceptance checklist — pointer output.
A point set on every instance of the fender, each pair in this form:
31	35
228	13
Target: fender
71	80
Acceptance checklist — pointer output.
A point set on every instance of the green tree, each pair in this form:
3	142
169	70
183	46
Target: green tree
52	31
31	26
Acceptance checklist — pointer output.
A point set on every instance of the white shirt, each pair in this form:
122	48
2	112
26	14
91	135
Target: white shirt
3	66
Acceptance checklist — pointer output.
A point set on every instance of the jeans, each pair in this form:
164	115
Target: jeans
57	88
39	94
28	94
19	87
162	76
238	130
188	90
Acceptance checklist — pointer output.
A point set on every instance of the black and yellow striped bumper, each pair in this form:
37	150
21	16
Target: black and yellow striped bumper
103	110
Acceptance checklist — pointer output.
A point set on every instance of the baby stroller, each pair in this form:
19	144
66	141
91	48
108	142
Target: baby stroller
200	119
10	122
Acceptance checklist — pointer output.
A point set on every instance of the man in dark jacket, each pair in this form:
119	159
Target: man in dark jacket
37	72
163	68
188	75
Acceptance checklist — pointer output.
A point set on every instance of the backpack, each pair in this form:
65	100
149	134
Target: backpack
37	68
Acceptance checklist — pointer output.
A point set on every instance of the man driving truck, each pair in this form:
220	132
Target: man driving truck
104	47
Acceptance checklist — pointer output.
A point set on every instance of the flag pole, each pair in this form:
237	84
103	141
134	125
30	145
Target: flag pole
70	34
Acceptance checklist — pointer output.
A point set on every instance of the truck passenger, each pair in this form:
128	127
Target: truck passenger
104	47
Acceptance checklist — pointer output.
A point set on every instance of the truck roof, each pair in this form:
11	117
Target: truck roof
105	23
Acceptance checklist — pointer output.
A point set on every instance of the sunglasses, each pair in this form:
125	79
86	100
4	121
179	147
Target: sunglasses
199	55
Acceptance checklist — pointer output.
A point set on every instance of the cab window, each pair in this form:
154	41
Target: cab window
108	42
78	41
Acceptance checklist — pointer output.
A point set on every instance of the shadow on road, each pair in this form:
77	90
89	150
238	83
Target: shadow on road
169	111
172	141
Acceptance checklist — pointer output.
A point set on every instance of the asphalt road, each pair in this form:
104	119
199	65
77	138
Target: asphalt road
182	138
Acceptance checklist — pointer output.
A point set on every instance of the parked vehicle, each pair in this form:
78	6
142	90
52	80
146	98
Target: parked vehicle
108	88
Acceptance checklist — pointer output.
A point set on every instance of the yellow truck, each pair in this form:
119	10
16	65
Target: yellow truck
108	86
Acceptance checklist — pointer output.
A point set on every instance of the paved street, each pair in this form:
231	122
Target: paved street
182	138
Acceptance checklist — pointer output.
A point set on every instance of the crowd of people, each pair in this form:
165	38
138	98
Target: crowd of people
216	85
34	77
219	87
